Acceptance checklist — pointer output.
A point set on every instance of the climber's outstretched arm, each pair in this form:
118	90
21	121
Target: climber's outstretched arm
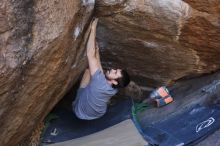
98	57
91	49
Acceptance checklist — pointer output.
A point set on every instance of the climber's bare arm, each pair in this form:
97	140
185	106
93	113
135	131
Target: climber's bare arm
91	49
98	56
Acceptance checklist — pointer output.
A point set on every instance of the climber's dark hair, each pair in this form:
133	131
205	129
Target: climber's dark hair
123	81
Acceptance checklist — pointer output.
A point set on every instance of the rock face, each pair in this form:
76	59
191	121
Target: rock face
41	56
159	41
43	49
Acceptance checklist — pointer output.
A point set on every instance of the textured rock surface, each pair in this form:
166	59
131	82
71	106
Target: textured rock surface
41	56
42	49
160	40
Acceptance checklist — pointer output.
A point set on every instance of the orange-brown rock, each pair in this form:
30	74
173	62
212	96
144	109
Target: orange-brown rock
42	49
159	41
41	56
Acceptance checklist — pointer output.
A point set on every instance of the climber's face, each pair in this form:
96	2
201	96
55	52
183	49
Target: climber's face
113	74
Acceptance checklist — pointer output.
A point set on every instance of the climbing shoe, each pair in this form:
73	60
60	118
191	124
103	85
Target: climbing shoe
161	96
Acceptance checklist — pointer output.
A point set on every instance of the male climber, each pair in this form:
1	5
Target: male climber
97	86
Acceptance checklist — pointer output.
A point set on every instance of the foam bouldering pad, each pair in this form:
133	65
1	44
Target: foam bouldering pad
184	128
121	134
186	121
67	126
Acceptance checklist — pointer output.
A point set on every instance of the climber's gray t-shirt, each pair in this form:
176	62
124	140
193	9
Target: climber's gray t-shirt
91	101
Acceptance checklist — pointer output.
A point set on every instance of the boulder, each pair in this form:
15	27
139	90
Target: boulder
43	42
160	41
41	56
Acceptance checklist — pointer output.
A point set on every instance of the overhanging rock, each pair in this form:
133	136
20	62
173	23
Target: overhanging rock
159	41
41	56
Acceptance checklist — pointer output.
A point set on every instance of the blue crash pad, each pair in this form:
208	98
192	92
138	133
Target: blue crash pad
68	126
186	121
185	128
